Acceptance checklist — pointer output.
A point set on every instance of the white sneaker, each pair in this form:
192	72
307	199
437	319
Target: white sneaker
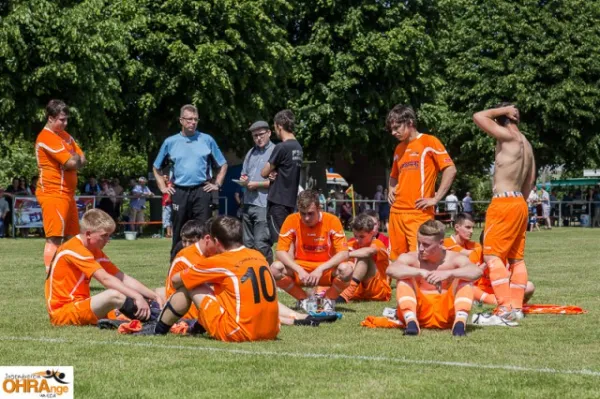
390	313
488	319
518	314
328	305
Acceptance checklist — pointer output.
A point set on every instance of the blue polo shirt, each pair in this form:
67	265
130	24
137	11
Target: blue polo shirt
192	157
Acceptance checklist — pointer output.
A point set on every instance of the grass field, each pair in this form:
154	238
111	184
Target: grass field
547	356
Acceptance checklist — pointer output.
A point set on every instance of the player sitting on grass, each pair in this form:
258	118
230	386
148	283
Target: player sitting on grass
434	287
320	253
67	288
198	245
234	290
378	234
371	260
460	241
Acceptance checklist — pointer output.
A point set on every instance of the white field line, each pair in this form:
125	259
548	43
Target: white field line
328	356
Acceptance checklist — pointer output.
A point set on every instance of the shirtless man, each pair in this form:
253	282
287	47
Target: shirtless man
506	218
434	288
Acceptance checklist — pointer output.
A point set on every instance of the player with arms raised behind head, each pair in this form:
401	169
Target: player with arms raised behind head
506	217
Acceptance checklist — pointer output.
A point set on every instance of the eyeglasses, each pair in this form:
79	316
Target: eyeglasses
259	135
189	119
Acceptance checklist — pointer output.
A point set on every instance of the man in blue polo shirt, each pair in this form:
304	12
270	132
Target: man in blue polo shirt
193	155
256	229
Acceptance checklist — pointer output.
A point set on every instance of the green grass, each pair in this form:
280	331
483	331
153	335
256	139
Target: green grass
338	360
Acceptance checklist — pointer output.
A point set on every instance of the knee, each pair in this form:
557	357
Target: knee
530	289
345	270
277	270
116	298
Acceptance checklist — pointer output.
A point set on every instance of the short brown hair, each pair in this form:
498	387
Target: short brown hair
286	120
400	115
433	228
306	198
55	107
504	120
228	230
193	230
363	222
188	107
96	220
461	217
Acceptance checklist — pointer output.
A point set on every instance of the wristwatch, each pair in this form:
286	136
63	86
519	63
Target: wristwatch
218	185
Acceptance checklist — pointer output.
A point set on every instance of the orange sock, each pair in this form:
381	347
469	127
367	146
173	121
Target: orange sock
518	284
349	292
500	278
289	285
406	297
481	296
337	286
463	300
49	251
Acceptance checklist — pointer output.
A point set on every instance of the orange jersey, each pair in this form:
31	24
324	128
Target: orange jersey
245	290
52	151
315	244
381	258
451	245
186	258
416	166
70	273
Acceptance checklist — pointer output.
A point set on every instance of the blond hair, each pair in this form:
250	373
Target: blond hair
96	220
433	228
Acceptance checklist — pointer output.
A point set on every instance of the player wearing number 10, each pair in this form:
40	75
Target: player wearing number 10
234	290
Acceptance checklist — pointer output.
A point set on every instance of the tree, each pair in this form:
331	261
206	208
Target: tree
541	55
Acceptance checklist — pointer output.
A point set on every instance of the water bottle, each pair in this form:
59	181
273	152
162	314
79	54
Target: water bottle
312	303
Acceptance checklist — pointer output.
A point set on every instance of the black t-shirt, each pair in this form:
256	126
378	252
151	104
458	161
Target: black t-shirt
287	159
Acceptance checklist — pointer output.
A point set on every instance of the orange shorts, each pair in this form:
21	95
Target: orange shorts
485	285
74	314
435	310
505	227
327	277
59	216
222	326
403	227
376	289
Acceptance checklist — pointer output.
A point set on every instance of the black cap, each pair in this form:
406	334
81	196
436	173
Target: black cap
258	125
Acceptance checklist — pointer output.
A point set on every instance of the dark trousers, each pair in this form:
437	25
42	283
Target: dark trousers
256	230
188	203
276	214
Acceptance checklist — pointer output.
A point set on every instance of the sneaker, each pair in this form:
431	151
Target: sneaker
390	313
110	324
518	314
412	328
459	329
307	322
341	299
505	313
323	318
328	305
488	319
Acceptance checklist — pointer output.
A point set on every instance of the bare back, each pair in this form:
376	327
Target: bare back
514	164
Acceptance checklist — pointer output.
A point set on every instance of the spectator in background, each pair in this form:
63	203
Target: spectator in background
137	204
106	199
331	202
92	187
346	214
23	186
566	208
32	186
4	210
384	211
15	188
118	189
553	205
238	196
339	197
378	197
322	200
545	200
167	208
467	204
452	205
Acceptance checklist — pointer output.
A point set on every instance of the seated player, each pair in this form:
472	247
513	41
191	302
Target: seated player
378	235
233	290
320	253
434	287
371	260
197	245
67	288
460	241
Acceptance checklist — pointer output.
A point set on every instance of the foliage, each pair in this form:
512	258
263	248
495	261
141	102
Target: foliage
17	160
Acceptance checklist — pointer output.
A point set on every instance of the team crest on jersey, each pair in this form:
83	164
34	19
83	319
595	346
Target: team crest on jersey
448	160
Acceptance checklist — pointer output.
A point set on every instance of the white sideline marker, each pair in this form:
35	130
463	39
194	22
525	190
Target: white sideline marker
584	372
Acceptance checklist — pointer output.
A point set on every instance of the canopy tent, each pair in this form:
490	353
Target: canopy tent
336	179
570	183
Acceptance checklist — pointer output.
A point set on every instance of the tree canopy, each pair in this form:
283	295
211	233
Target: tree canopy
127	67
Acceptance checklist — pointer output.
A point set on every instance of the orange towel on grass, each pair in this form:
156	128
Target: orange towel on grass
552	309
129	328
380	322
